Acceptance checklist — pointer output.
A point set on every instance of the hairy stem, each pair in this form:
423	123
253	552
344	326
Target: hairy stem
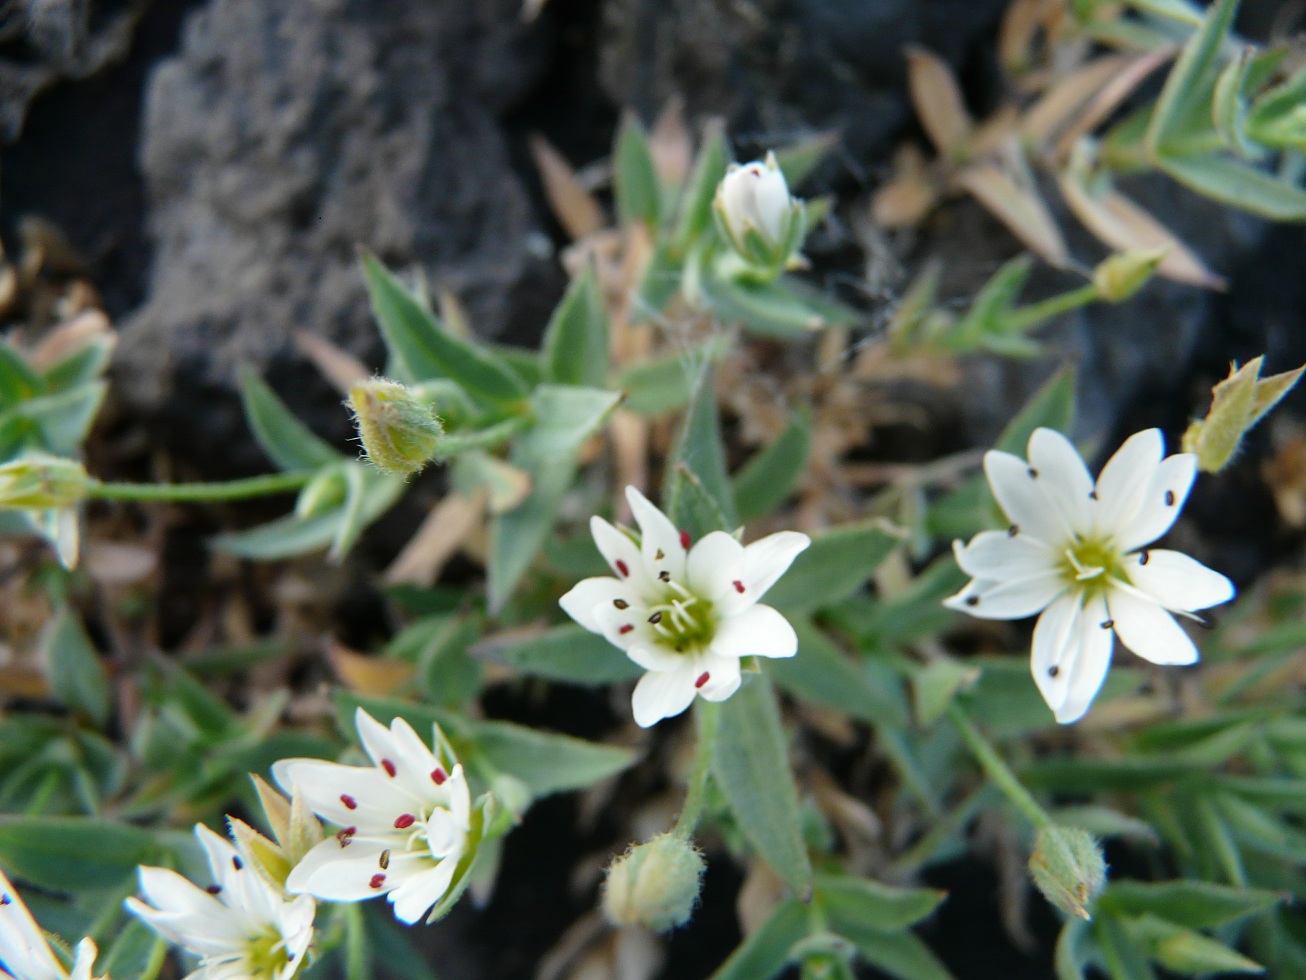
997	770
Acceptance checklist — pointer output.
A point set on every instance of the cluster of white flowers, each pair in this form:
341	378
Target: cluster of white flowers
686	612
1077	552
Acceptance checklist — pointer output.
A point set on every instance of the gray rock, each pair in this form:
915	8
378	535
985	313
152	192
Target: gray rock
281	138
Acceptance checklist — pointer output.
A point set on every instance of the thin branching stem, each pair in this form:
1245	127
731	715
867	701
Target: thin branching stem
254	486
706	715
997	770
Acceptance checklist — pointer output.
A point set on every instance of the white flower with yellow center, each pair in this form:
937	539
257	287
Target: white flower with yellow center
25	953
242	927
1077	552
404	821
686	612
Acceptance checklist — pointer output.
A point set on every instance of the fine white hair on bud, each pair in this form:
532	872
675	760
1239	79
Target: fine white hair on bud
1068	868
655	884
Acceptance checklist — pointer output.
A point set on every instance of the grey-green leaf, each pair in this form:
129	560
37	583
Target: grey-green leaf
636	180
287	441
576	340
750	763
824	675
770	476
566	653
77	676
695	486
1239	185
766	952
837	564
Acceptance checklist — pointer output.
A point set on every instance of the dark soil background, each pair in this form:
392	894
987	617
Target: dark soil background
217	162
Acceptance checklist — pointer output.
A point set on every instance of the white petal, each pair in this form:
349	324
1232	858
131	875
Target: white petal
626	628
1177	581
662	694
415	761
1124	480
1055	641
1089	662
342	874
652	656
658	537
419	892
375	737
621	553
1000	555
764	562
758	631
83	960
1148	630
771	196
1161	504
1022	499
1064	478
590	595
723	677
1016	599
445	835
22	944
329	788
715	563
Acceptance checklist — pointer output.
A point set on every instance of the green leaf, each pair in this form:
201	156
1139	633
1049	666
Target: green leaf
863	902
546	762
770	476
1185	951
576	340
1122	956
766	951
837	564
18	382
822	674
1229	108
565	417
424	350
786	308
566	653
634	176
136	951
1238	185
989	313
75	854
798	159
1180	10
750	763
695	486
659	385
60	422
83	365
287	441
660	280
1052	407
77	676
696	204
936	684
1190	79
1196	904
900	954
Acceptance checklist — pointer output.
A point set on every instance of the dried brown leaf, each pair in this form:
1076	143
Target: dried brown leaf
69	337
338	366
904	202
119	562
1057	107
938	101
362	674
576	208
671	145
1123	225
1118	88
438	539
1019	206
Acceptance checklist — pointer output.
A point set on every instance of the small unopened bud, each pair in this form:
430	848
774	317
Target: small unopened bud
1121	275
1237	403
400	431
1068	867
757	215
655	884
326	490
40	481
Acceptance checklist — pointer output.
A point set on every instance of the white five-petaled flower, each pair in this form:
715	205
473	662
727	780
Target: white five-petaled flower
1077	552
25	953
242	927
685	614
756	212
403	821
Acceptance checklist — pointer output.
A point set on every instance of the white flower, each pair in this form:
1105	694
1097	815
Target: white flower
404	821
757	213
686	615
1077	552
25	953
242	927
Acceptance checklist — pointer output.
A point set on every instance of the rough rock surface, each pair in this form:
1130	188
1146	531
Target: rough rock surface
282	137
788	67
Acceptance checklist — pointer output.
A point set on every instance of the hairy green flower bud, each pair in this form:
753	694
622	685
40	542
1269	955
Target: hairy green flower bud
1237	404
40	481
400	431
1119	276
655	884
1068	867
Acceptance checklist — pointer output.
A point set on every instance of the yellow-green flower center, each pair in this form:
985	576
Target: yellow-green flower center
1089	564
684	621
266	955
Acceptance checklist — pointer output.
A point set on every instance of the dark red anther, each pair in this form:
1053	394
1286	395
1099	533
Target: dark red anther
404	821
349	802
623	568
739	586
685	540
211	889
345	837
388	766
625	629
702	679
377	881
438	775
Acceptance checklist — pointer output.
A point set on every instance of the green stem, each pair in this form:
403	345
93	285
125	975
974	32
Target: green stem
497	434
254	486
1027	317
706	715
997	770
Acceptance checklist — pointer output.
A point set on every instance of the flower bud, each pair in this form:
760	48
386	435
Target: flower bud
655	884
39	481
1237	404
1119	276
322	493
400	431
1068	867
756	214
